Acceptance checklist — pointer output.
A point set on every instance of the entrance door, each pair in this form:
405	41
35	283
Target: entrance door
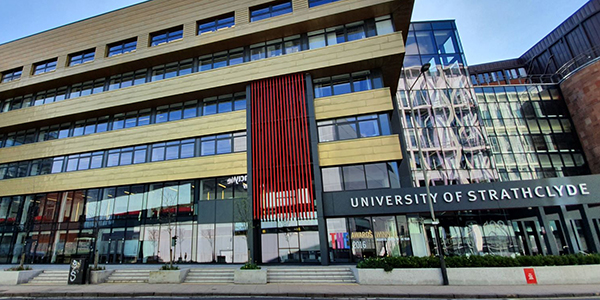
290	242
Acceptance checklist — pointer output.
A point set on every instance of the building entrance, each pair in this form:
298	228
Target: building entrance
290	242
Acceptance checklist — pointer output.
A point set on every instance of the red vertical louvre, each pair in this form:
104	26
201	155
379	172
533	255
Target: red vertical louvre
281	168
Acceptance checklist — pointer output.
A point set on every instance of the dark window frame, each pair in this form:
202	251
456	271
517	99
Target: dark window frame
166	36
391	167
82	57
44	66
356	122
270	10
121	47
315	3
11	75
215	23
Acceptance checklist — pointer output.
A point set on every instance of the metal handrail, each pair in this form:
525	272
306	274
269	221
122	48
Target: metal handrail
578	61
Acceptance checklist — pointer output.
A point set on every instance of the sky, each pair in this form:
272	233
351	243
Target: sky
490	30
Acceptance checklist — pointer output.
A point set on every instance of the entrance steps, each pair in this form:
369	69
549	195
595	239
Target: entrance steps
50	277
325	275
129	276
221	275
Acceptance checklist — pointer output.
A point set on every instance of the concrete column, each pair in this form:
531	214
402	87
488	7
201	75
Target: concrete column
254	232
314	152
568	230
589	228
549	236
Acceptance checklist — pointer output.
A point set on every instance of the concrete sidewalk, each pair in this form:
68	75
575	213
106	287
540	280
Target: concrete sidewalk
301	290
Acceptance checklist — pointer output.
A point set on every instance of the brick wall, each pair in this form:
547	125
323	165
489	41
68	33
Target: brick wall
582	95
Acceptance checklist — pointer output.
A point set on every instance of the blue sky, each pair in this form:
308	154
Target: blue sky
490	29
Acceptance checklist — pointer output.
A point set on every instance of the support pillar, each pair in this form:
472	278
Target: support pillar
565	222
549	238
589	228
314	150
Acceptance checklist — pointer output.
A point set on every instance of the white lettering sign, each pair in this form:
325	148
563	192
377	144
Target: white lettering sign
507	194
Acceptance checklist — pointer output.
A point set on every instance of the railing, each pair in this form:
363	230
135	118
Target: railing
577	62
529	79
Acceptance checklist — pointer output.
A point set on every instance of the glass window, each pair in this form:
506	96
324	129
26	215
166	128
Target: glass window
224	189
354	177
313	3
332	179
384	25
44	67
81	57
207	189
377	176
215	24
122	47
11	75
166	36
264	12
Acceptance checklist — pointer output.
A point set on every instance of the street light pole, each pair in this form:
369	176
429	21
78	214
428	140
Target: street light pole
434	221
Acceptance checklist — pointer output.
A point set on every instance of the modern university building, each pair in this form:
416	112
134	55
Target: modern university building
299	131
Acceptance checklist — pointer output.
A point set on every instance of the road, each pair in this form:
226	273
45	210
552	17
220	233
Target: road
289	298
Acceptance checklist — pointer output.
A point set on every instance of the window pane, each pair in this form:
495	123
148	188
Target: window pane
187	150
316	41
377	176
347	131
158	154
326	133
208	148
354	178
207	189
223	146
368	128
172	152
332	179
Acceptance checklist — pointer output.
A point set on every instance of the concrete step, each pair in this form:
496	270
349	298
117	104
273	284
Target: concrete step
311	275
294	281
210	276
129	276
50	277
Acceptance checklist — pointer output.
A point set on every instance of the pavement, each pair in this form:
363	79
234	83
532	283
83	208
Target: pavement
300	290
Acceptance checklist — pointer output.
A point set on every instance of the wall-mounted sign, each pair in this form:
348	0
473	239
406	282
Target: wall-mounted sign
496	195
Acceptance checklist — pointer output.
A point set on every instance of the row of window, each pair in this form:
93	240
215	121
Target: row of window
499	76
179	149
353	127
292	44
347	83
150	201
361	177
162	37
160	114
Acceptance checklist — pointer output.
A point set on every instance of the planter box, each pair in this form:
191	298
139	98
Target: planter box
589	274
167	276
399	277
250	276
99	276
17	277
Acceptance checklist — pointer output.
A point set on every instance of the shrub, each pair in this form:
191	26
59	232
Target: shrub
168	267
18	268
250	266
478	261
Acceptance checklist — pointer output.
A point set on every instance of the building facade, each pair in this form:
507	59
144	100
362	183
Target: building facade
278	132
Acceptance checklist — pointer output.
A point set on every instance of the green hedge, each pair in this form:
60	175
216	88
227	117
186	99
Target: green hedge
475	261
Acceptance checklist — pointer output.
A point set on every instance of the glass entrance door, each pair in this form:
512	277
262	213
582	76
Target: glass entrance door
290	242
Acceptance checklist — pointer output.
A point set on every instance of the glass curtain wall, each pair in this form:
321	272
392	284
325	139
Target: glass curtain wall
126	224
530	132
445	112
